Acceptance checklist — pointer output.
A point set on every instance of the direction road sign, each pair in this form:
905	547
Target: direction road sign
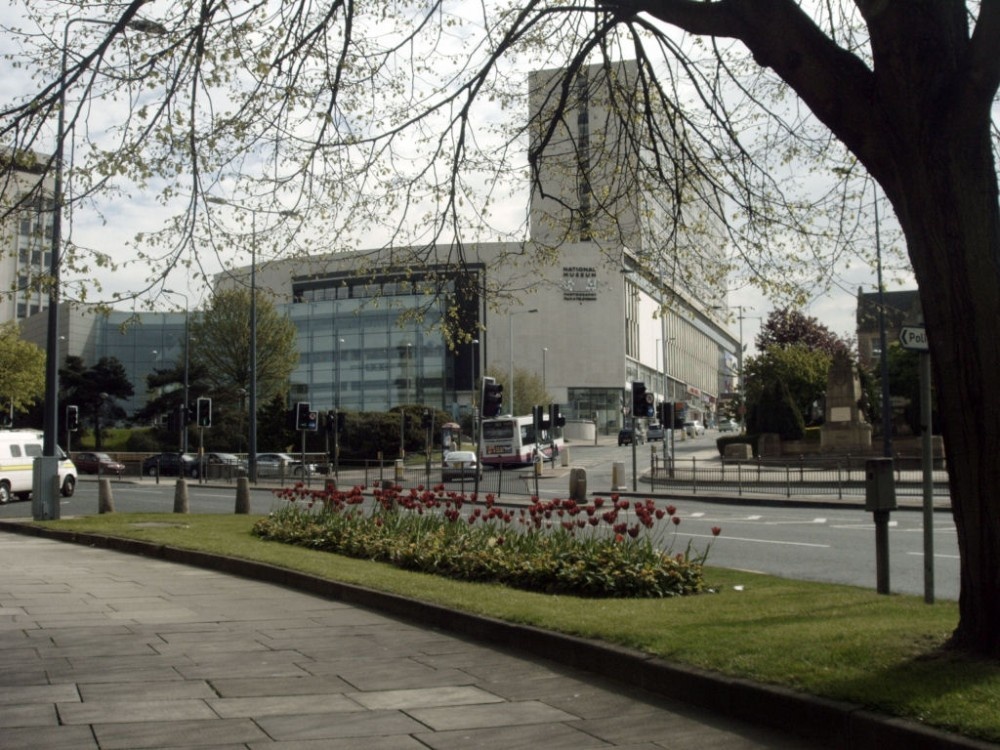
914	337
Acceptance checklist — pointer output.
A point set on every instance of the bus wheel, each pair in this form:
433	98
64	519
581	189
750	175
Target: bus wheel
4	492
68	487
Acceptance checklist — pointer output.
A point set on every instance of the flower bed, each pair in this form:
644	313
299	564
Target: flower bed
605	548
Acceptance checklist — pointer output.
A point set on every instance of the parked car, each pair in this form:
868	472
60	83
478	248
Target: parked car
625	437
654	432
729	425
460	465
224	466
89	462
694	428
171	465
282	465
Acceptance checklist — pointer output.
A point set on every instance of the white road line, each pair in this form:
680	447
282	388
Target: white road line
755	541
946	557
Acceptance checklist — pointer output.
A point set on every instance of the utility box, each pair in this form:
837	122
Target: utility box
578	484
880	485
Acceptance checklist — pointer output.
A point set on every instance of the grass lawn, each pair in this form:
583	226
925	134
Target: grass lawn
840	642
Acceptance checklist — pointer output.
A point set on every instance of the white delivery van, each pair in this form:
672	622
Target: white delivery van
18	451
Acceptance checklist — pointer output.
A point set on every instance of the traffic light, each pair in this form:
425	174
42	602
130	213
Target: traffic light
642	402
492	398
680	412
192	413
72	418
341	421
330	424
203	412
555	418
305	417
426	420
538	417
665	414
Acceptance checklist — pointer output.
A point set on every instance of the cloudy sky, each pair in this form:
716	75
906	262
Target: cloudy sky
111	225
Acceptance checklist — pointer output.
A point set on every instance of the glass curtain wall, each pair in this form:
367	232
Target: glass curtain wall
360	356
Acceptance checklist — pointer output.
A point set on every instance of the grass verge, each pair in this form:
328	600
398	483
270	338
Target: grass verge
840	642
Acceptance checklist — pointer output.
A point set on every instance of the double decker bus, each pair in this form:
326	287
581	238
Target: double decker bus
511	441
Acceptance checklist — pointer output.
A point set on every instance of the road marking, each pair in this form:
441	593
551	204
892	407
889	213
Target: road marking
755	541
946	557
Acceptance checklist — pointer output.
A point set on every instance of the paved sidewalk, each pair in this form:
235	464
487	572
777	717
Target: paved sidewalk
101	649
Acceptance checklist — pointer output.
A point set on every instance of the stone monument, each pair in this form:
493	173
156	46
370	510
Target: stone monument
845	429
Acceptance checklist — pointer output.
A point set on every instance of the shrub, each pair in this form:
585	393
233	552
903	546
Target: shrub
606	548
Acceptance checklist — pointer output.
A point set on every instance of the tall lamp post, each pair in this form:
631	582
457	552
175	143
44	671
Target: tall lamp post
336	409
46	504
472	385
187	348
545	389
510	334
252	437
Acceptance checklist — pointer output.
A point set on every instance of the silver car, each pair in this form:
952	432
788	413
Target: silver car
728	425
282	465
694	428
460	465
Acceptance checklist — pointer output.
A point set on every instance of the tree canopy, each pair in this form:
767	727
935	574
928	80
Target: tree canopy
22	371
367	120
220	348
787	327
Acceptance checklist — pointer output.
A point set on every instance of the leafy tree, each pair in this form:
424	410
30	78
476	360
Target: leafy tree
904	382
95	390
776	411
801	369
786	327
528	390
901	94
166	403
22	371
220	355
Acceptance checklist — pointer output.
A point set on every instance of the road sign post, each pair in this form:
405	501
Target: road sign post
914	337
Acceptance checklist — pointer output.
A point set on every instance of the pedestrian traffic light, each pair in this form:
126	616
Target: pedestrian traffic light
555	418
72	418
330	423
426	419
492	398
203	408
642	402
305	417
192	413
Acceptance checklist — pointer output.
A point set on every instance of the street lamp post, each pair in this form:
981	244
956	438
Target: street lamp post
187	347
406	400
44	482
336	409
252	437
510	335
545	389
472	385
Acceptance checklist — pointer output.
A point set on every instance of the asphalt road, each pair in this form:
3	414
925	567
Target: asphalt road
835	545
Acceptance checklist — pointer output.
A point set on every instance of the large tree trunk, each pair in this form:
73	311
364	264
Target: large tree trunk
948	207
920	123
